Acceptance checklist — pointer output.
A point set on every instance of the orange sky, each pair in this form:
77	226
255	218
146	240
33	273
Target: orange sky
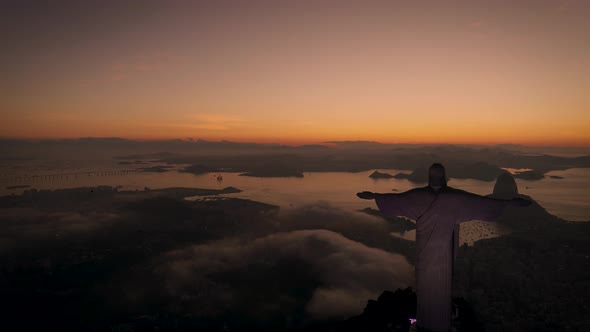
298	71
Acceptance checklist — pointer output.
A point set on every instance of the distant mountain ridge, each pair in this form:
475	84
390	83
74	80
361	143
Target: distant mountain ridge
462	161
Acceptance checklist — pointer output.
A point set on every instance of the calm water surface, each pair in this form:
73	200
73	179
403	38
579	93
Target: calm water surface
568	198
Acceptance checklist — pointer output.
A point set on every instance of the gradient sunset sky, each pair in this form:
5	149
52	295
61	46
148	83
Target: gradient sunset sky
298	71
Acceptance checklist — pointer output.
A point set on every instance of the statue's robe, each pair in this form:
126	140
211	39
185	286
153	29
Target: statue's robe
437	214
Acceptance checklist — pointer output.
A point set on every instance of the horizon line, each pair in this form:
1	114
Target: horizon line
294	142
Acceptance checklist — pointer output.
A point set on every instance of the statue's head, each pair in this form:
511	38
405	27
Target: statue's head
436	176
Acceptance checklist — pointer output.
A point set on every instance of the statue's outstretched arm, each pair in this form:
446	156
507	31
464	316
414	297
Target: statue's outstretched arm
476	207
410	204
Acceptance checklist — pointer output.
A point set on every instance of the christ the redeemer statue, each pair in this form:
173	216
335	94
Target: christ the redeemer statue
437	210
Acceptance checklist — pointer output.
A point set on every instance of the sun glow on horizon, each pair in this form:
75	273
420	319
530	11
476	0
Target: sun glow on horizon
476	73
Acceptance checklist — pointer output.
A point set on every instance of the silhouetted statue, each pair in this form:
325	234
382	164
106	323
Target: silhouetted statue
438	210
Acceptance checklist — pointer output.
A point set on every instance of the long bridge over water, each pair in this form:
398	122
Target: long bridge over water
26	178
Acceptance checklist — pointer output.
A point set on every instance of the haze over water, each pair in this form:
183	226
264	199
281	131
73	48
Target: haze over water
567	198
